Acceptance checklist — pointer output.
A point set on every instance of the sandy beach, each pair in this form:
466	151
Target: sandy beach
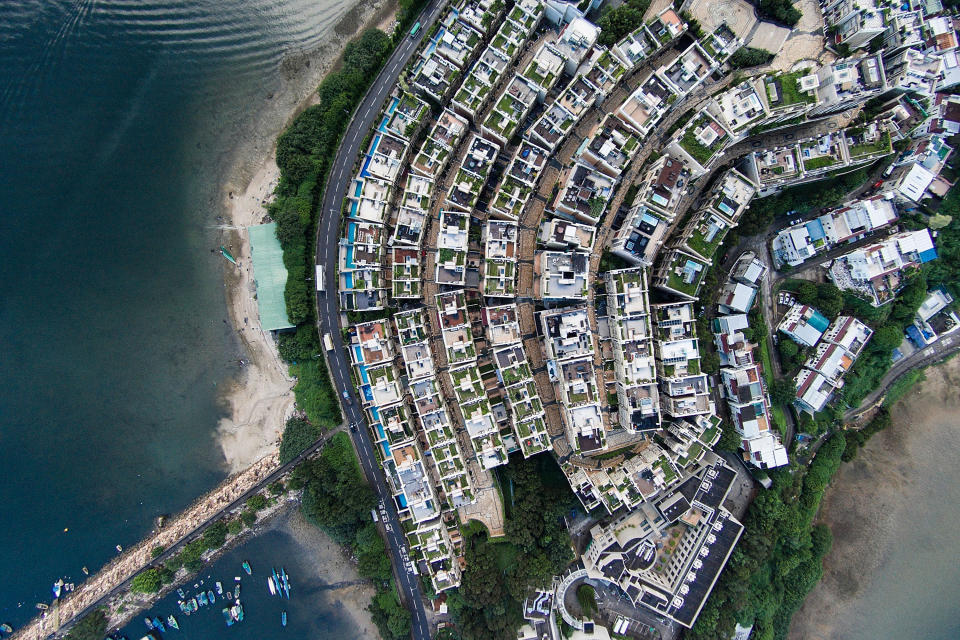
261	398
892	512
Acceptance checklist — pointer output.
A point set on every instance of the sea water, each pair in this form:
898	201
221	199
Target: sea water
118	124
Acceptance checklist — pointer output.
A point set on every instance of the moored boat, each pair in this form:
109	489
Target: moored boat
283	618
6	628
273	589
211	596
158	624
181	593
219	588
247	568
172	621
236	592
193	604
228	617
148	622
203	599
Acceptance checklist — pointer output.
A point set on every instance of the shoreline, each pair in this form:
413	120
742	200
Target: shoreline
258	401
873	505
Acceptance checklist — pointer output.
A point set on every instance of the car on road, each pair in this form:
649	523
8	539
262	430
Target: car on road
346	396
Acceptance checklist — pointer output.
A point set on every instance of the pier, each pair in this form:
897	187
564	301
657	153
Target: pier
117	575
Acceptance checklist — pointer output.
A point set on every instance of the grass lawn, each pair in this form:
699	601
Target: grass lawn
819	162
778	414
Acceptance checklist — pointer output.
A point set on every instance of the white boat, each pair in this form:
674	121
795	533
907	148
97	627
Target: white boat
270	585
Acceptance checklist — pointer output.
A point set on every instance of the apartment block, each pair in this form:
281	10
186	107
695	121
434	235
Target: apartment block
667	554
434	155
452	241
631	331
847	83
564	275
455	329
558	234
500	259
853	22
699	141
610	147
681	273
803	324
684	390
404	115
584	194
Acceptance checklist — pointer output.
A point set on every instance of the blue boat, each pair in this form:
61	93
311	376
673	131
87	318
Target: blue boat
236	592
228	617
283	618
246	567
158	624
203	599
211	597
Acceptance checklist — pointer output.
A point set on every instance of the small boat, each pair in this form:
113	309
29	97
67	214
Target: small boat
237	612
236	578
158	624
149	636
236	592
246	567
219	588
203	599
181	593
211	596
273	589
6	628
148	622
228	617
42	606
193	604
276	579
283	618
229	595
57	587
172	621
226	254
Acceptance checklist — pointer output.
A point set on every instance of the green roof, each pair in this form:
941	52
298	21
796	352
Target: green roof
270	276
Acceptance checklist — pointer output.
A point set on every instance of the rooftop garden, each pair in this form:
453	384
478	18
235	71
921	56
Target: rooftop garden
694	147
698	241
812	164
790	88
882	145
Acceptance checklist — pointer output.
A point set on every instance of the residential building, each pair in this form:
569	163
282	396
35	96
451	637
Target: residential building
558	234
563	275
645	107
452	241
667	554
610	147
585	193
684	390
436	150
877	270
736	297
500	263
913	71
681	273
853	23
847	83
803	324
632	337
700	141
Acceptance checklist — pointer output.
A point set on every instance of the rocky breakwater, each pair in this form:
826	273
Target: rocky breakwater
116	575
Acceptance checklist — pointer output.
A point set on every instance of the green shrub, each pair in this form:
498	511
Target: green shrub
315	395
248	517
277	488
256	502
156	552
234	527
749	57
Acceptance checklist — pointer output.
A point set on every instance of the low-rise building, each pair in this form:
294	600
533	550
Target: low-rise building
500	263
877	270
803	324
435	153
559	234
699	141
645	107
681	273
585	193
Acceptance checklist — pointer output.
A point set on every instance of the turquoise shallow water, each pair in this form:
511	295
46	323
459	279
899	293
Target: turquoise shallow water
118	120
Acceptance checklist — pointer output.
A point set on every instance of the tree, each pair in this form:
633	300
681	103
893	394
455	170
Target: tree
616	23
299	345
215	535
807	292
587	598
749	57
783	391
235	526
780	10
157	551
92	626
298	434
888	337
248	517
147	581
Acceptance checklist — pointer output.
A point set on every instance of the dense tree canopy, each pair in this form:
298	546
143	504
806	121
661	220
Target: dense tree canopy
500	572
749	57
618	22
92	626
298	434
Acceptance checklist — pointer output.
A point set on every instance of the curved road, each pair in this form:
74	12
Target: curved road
328	314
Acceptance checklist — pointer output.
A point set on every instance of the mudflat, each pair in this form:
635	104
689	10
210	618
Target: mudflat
894	513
